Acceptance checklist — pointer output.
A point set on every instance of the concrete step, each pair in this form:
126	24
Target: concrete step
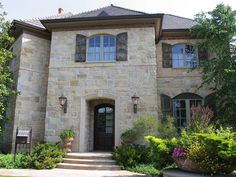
87	166
90	161
89	155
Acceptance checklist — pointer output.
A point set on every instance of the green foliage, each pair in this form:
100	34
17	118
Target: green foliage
6	161
152	126
160	151
147	169
218	31
213	152
130	133
166	128
45	156
130	155
6	78
67	134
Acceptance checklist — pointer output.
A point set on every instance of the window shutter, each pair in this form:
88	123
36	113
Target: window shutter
121	47
166	55
202	55
166	105
80	50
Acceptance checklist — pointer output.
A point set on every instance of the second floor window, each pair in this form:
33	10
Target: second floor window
101	48
181	56
184	56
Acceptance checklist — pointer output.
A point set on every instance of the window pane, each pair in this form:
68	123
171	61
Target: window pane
91	57
91	42
190	54
97	39
177	56
106	40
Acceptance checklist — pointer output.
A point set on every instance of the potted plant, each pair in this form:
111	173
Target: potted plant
129	136
67	136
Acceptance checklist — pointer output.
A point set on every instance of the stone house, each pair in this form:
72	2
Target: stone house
81	72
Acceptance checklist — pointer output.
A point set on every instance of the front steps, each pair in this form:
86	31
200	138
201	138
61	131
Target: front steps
89	161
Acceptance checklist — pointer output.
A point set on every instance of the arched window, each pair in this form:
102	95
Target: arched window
184	55
101	48
182	104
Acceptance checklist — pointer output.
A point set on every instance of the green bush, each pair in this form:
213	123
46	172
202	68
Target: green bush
147	169
67	134
130	155
160	151
215	153
152	126
45	156
130	133
6	161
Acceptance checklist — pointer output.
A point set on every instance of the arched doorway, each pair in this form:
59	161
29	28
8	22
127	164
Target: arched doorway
104	125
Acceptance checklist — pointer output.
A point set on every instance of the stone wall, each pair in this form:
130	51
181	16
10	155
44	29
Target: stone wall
30	105
174	81
82	82
6	141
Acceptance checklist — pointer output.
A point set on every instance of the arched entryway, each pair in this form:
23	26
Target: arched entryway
104	125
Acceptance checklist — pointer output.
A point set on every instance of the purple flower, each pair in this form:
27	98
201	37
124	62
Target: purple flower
178	152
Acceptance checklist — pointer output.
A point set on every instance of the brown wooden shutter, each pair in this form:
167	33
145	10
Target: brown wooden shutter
80	50
122	47
202	55
166	55
166	105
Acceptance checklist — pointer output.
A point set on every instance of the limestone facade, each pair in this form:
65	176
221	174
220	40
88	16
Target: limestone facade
47	70
31	69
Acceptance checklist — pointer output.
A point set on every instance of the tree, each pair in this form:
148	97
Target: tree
6	79
217	29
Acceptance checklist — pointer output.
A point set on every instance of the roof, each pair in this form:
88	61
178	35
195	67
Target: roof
175	22
108	11
170	22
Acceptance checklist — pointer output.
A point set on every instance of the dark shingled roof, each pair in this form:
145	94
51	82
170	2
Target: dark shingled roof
176	22
109	11
169	21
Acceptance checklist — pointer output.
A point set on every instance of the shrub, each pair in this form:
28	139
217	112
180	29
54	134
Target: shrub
152	126
200	120
67	134
129	136
6	161
213	152
45	156
130	155
147	169
160	151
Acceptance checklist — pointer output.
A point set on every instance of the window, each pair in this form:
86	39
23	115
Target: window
182	105
184	56
101	48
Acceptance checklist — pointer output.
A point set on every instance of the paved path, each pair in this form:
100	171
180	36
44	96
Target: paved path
67	173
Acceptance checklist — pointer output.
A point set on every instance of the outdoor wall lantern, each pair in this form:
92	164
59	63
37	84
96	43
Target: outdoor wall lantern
135	102
63	103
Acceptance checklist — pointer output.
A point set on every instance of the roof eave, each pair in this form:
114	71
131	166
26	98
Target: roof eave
53	23
21	26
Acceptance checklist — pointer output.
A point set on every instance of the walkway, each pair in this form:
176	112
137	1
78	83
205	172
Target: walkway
67	173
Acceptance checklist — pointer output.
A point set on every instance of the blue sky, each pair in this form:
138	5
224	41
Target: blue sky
27	9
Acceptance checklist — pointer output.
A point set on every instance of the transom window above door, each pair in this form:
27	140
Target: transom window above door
101	48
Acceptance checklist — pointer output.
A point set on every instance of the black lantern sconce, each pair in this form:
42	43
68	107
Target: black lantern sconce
63	103
135	102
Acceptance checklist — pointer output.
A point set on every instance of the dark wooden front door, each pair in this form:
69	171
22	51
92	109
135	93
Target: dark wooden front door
104	127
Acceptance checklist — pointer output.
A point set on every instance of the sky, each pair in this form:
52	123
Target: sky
28	9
